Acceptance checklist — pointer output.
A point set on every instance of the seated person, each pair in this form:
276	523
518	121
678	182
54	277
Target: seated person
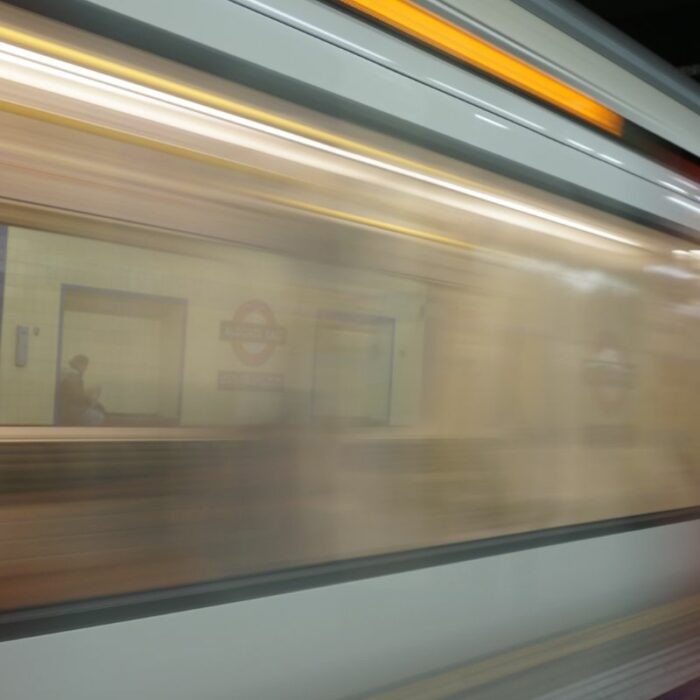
76	405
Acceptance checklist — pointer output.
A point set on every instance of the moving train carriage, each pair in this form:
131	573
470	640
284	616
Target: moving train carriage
531	384
311	343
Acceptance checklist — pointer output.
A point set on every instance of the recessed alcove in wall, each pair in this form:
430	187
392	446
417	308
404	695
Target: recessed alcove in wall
353	368
135	344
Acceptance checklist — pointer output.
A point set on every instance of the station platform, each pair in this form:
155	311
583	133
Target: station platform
652	655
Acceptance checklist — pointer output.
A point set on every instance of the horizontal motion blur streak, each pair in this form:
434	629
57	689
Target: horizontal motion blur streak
11	56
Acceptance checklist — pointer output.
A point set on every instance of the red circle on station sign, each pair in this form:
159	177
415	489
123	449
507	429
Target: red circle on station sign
260	355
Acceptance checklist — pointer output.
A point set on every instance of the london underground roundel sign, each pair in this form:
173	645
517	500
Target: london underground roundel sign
253	333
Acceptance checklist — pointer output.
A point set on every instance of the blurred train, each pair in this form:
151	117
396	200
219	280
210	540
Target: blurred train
343	344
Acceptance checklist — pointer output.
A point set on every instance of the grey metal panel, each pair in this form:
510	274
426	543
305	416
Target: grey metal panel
583	66
591	30
328	643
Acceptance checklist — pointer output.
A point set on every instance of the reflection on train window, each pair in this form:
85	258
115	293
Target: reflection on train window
353	368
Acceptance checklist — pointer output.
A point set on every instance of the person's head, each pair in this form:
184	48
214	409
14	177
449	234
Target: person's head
79	363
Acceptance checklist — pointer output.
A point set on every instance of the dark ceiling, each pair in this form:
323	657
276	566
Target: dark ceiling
669	28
